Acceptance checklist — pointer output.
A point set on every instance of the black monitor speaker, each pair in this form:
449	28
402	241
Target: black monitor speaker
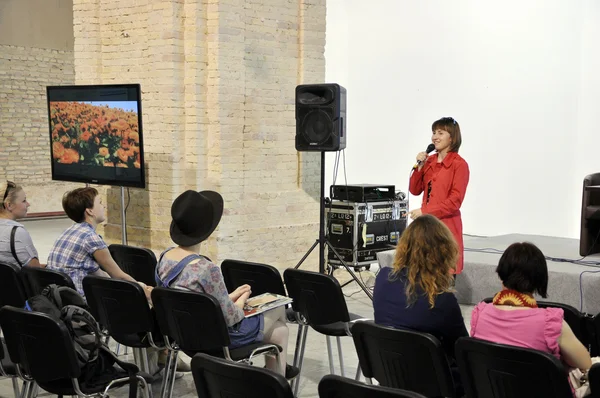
320	117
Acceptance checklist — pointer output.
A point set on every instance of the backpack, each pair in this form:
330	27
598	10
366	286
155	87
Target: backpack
95	358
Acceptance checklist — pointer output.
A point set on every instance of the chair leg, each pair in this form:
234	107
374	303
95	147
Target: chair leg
118	348
34	389
146	365
27	389
172	378
146	389
358	373
169	375
166	375
298	344
339	347
303	331
369	380
16	389
330	355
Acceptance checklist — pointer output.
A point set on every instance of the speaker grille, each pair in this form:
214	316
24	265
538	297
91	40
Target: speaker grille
317	127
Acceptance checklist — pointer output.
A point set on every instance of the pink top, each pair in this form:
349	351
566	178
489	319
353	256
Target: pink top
536	328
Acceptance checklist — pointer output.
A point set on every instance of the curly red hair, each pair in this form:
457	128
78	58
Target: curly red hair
428	251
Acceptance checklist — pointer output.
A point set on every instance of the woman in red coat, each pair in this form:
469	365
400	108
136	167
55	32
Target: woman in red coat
443	178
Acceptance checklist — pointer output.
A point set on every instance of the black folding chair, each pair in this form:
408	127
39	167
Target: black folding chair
594	379
122	309
262	278
332	386
193	322
405	359
43	351
8	369
217	377
320	304
12	291
138	262
490	370
36	279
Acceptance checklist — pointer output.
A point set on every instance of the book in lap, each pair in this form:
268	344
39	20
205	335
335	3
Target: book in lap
264	302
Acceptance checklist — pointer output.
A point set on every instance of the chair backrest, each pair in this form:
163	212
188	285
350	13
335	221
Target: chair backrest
41	345
193	320
318	297
573	317
138	262
12	291
121	307
262	278
216	377
404	359
333	386
36	279
490	370
594	378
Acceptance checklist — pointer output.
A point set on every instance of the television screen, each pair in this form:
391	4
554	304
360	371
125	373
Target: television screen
96	134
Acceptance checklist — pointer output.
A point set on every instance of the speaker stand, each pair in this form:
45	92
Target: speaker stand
322	241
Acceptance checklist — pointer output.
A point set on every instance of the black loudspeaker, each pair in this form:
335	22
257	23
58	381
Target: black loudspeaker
320	117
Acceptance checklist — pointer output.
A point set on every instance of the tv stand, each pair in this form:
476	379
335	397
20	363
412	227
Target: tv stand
123	226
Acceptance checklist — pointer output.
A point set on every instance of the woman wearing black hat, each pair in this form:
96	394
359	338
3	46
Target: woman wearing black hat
195	216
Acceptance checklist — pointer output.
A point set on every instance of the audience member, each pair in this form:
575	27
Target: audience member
416	292
80	251
514	318
195	215
16	246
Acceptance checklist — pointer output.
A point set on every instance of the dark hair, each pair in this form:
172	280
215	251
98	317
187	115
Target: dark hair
523	268
75	202
453	128
428	251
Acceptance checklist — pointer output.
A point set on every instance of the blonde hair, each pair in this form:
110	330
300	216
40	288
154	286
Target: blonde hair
428	251
9	191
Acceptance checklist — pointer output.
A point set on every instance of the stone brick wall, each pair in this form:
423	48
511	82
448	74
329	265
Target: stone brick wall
218	79
24	137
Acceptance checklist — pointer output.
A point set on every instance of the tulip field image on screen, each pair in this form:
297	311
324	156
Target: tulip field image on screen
95	133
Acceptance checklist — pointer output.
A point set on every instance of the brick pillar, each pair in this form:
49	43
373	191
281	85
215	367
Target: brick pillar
218	79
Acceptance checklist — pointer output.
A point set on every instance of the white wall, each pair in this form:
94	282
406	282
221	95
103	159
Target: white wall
521	78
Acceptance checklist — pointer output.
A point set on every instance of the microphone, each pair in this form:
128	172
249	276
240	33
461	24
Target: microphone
430	148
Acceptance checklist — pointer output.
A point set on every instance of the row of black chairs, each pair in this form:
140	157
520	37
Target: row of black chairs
416	361
319	303
215	378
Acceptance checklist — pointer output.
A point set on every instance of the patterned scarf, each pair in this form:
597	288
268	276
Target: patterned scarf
514	299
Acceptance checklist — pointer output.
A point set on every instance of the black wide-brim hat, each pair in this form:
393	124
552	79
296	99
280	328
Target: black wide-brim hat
195	216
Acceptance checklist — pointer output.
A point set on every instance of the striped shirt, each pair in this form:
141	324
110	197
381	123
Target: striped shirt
73	252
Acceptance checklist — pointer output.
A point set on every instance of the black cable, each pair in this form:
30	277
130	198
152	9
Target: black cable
128	200
490	250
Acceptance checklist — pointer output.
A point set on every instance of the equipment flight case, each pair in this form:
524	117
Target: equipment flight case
358	231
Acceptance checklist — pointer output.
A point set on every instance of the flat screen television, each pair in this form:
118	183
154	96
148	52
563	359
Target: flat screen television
96	134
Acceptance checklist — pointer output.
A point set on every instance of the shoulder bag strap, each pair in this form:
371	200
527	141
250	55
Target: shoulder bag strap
12	244
174	273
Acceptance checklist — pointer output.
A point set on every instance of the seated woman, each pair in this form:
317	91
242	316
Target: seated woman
16	246
80	251
514	318
416	293
195	216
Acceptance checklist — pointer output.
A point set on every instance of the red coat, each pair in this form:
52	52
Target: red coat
449	181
